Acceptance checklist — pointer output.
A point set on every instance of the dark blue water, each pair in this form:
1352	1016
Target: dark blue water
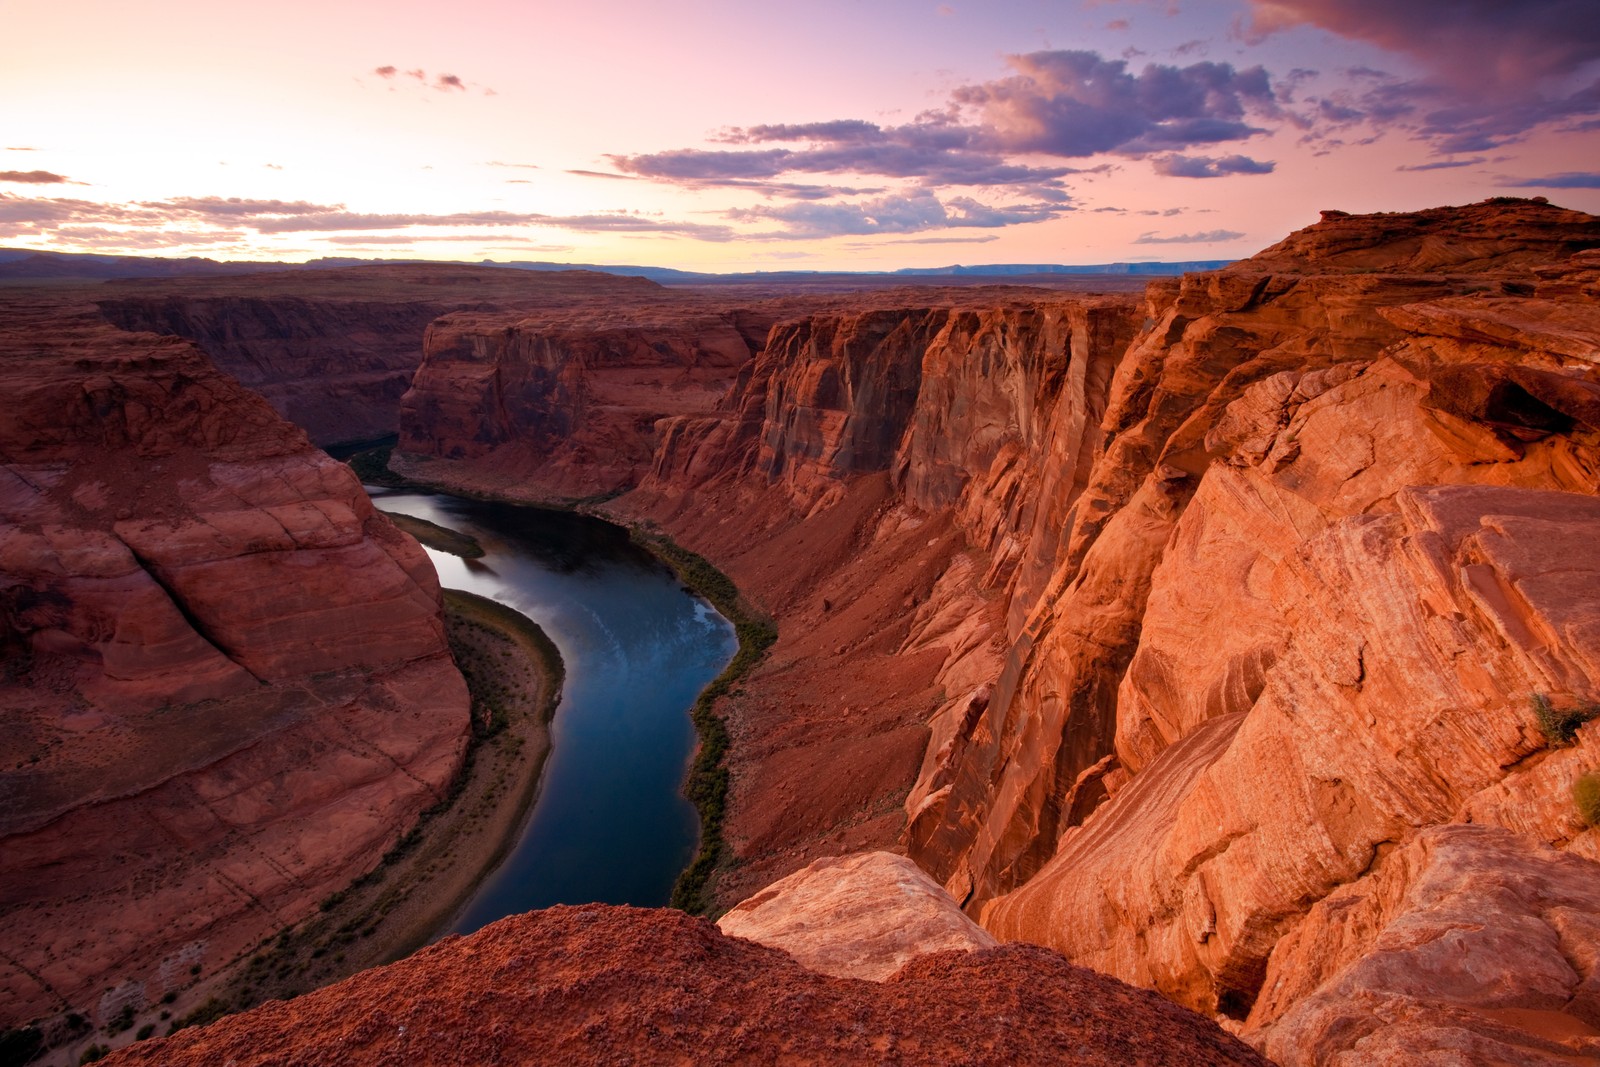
610	823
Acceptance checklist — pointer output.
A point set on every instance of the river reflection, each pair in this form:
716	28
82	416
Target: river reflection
610	824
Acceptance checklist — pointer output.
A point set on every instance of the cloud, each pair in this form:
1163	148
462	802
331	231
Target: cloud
1208	237
1079	103
1181	166
1492	71
233	207
914	212
1445	164
1063	104
35	215
1468	43
32	177
444	83
517	166
1572	179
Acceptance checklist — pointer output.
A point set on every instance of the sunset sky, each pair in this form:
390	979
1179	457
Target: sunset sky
723	135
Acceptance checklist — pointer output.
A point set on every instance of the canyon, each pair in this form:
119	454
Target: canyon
1200	635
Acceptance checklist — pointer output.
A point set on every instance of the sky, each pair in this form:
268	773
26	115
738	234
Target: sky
724	135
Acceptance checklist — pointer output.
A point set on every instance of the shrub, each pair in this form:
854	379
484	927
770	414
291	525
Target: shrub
1586	795
1560	725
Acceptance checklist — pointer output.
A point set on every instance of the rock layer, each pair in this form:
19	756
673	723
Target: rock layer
226	685
599	985
861	916
334	350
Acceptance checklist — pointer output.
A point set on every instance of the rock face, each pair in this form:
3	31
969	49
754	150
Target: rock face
572	397
1213	607
226	684
334	350
604	985
862	916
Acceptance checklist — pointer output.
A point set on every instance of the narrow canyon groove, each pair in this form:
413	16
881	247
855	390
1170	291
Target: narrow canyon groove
610	824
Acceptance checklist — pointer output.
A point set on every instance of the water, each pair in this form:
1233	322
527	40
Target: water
610	823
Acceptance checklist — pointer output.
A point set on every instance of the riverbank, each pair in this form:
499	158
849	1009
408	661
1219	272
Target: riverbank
514	674
707	783
435	536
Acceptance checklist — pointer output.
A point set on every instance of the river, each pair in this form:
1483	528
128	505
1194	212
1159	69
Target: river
610	823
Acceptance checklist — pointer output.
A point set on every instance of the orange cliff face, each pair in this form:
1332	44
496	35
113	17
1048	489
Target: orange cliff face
1213	607
226	684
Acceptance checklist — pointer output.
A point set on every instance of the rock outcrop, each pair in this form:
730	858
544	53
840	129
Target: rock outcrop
1213	607
606	985
861	916
226	685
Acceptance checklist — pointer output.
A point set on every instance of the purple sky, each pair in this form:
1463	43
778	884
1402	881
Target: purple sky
710	134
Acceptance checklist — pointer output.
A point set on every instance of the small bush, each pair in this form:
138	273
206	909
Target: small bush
1560	725
1586	795
92	1053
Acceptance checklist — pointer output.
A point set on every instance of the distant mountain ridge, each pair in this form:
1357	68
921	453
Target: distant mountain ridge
22	264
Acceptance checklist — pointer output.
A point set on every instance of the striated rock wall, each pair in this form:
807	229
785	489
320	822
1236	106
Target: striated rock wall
226	686
333	351
1209	607
572	404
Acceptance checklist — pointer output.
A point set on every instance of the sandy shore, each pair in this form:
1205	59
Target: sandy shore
515	675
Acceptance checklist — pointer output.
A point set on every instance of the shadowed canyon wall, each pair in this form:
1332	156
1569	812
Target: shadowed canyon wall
1196	638
225	684
334	350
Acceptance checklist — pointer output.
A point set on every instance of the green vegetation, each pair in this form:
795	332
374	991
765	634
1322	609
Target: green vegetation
372	467
435	536
209	1012
1560	725
20	1045
93	1053
707	785
123	1020
1586	795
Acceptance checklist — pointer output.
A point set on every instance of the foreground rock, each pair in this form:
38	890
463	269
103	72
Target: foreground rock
604	985
862	916
226	683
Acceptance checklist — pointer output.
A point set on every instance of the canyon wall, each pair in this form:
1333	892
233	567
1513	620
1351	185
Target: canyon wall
1198	639
226	686
334	350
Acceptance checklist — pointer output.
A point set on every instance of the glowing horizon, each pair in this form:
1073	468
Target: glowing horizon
713	137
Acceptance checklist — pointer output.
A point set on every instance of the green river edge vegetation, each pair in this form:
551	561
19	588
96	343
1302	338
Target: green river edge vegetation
707	784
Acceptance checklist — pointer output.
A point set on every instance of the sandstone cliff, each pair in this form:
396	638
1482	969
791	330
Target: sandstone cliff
226	685
1214	607
334	350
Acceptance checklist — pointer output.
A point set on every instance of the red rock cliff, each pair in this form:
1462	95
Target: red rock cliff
334	350
226	685
1226	628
